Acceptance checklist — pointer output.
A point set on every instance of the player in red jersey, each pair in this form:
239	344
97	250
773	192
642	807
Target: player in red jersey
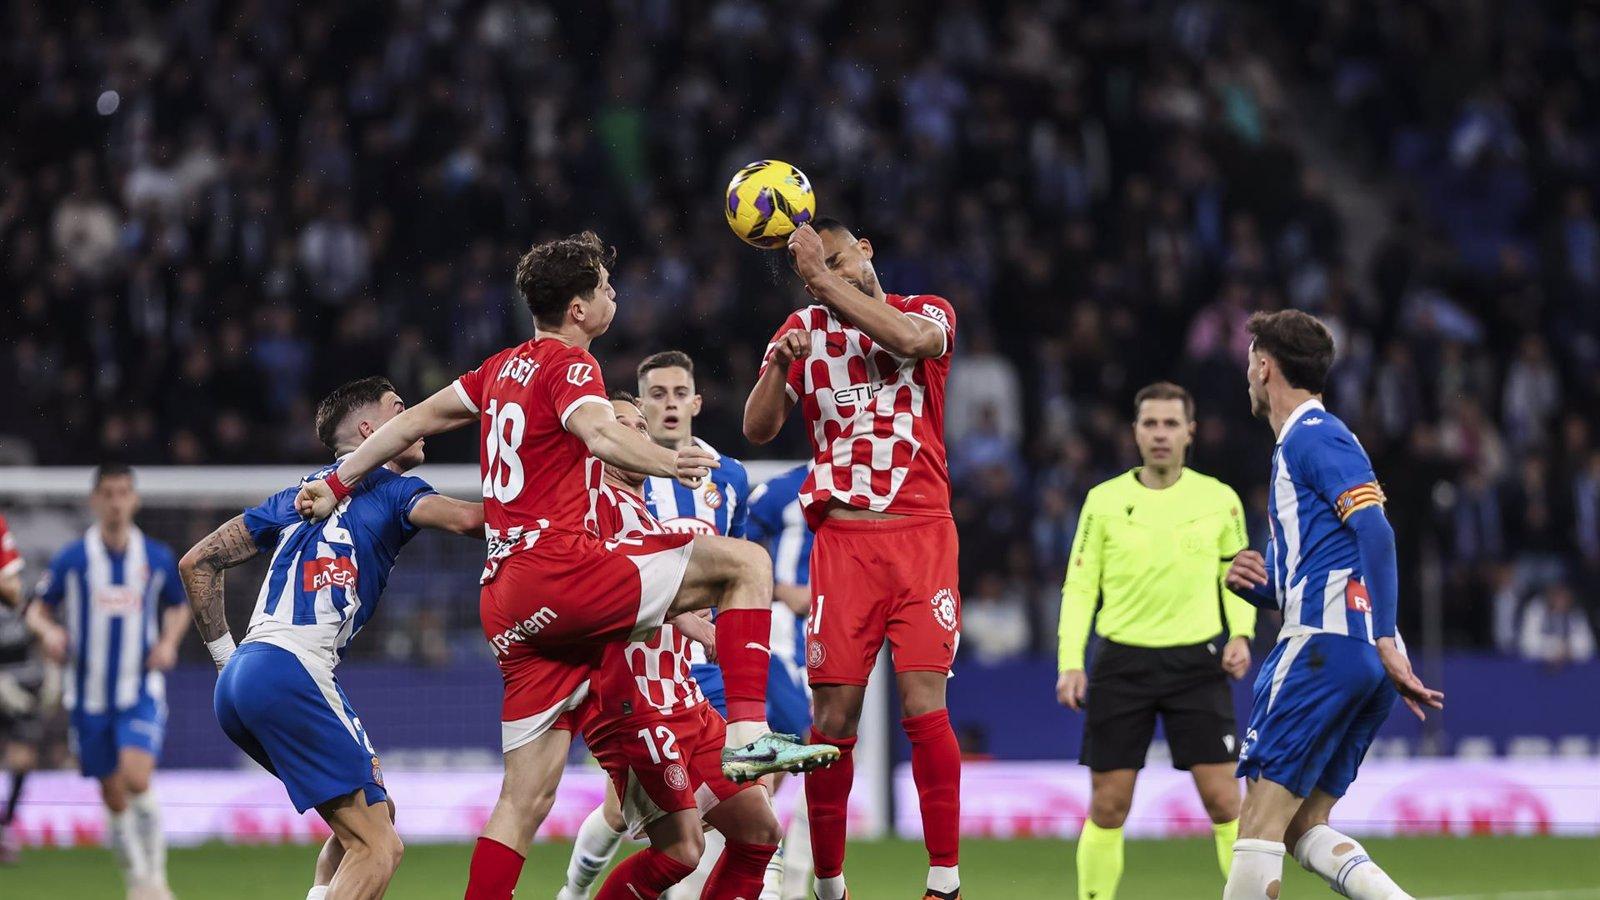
868	370
553	595
650	727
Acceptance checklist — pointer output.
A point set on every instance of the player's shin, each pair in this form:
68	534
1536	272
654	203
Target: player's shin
1225	835
936	770
1257	872
591	851
738	873
772	878
643	876
1344	864
494	871
123	835
147	821
1099	861
743	653
828	798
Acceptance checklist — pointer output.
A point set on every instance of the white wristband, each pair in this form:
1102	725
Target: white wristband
221	650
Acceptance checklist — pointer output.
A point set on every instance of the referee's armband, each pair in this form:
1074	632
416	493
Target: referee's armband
1358	498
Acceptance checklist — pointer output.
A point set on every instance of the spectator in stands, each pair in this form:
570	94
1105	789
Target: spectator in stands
1555	630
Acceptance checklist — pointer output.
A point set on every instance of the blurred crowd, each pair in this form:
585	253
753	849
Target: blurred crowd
211	213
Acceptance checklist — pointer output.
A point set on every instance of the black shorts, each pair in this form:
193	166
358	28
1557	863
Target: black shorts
1129	686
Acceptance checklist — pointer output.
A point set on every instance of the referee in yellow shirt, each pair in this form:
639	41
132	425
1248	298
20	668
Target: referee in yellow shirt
1152	546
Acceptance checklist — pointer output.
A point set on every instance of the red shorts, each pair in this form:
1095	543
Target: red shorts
552	608
660	765
877	578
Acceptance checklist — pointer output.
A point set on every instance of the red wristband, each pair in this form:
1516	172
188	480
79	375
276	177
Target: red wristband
340	491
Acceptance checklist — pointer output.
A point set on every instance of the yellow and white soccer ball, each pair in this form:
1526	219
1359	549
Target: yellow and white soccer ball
767	200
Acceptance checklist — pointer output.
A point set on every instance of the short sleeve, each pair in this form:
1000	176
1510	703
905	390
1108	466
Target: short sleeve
53	585
1332	463
794	380
937	310
469	388
10	556
171	584
574	380
272	515
405	493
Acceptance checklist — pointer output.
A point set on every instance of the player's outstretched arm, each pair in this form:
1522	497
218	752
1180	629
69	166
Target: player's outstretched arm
442	412
596	425
201	570
769	403
443	513
900	334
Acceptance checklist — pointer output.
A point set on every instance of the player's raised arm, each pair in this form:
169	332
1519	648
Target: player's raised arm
904	335
596	425
772	399
444	411
201	570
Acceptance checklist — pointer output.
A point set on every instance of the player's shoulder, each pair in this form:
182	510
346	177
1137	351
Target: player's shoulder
932	306
1112	488
1316	428
74	555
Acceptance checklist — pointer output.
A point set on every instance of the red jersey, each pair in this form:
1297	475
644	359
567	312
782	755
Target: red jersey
876	419
637	681
10	558
536	474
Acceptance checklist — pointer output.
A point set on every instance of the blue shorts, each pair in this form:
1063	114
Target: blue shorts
298	724
788	707
1319	701
98	738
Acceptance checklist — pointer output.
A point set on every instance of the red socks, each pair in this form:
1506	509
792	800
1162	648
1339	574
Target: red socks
936	770
742	636
643	876
495	870
737	875
828	799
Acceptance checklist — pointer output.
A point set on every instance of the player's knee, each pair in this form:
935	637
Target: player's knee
1109	809
687	848
835	723
136	781
612	817
390	850
753	567
1221	805
767	832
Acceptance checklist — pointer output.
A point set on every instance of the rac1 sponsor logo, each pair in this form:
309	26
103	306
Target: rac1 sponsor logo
523	630
689	525
338	571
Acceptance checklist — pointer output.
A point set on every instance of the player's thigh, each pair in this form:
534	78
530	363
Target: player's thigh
924	615
135	767
358	823
1267	810
21	756
1111	796
533	772
921	692
746	817
715	562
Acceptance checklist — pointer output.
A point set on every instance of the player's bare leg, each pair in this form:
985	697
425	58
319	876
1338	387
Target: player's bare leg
533	771
1257	872
676	842
1219	793
328	859
752	831
371	847
593	848
1100	845
134	825
1337	858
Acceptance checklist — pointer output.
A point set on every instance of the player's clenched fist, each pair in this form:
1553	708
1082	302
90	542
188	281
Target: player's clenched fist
1247	571
315	500
792	346
1072	688
694	464
805	248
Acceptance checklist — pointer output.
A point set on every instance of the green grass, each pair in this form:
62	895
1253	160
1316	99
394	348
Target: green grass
1480	868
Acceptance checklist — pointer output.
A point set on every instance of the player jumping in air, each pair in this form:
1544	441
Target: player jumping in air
648	723
277	696
125	618
553	595
868	370
1332	679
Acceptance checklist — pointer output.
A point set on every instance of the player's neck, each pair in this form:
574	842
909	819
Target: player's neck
1159	478
1281	405
569	334
623	485
678	443
115	537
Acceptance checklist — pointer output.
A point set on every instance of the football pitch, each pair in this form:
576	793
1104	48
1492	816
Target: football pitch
1458	869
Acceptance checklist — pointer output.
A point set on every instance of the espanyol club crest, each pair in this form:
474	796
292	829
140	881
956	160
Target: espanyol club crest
377	772
676	777
944	609
713	496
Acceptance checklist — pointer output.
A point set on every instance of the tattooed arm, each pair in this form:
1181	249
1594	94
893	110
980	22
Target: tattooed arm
202	570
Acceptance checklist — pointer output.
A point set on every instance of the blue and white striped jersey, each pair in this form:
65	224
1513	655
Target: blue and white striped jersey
1320	476
110	604
325	577
719	506
778	522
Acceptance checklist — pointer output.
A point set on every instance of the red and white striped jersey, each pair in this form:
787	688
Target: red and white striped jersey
876	419
637	681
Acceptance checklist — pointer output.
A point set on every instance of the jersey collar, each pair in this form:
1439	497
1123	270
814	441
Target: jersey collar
1299	411
706	447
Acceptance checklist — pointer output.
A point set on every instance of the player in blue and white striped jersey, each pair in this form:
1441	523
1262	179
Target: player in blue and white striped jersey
1332	679
277	697
117	591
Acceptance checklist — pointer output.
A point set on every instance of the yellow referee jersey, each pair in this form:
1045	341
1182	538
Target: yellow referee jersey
1157	558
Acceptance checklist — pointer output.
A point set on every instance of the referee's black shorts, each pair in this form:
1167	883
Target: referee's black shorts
1129	686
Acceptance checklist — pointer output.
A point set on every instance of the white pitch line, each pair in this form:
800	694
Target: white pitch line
1569	894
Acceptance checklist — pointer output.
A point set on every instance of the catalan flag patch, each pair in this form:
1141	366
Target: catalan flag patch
1359	497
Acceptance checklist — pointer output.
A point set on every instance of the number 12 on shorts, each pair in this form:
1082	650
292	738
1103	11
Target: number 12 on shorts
668	746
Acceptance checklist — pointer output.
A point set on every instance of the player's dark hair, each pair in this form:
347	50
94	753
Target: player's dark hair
1300	345
624	396
111	470
829	223
346	399
550	274
666	359
1164	390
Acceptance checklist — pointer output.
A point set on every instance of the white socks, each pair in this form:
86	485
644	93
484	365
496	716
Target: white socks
1257	871
944	878
123	835
320	892
797	852
772	879
594	846
1345	866
830	888
741	733
147	822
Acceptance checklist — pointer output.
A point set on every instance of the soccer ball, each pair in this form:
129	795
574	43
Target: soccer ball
767	201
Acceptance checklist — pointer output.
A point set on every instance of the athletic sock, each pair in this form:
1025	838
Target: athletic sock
746	660
147	819
10	814
494	871
772	878
1257	871
1099	861
738	874
1225	834
690	886
594	846
828	797
123	835
320	892
936	770
1344	864
797	851
643	876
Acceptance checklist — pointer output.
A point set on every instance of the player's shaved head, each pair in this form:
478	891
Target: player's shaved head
338	408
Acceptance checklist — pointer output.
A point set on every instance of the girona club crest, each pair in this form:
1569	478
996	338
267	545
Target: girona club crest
815	654
580	374
944	609
676	777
